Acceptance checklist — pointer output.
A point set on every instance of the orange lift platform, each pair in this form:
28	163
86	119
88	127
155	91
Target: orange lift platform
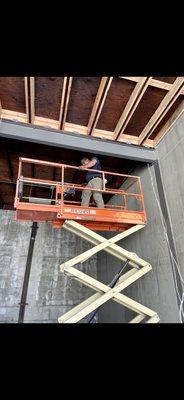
59	201
124	207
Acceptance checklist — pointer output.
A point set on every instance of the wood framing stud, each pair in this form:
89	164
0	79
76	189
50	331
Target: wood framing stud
26	90
65	100
99	103
63	95
153	82
32	99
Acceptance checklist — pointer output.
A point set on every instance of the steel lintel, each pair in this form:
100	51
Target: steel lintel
75	141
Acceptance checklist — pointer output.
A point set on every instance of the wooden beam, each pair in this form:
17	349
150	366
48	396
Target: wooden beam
178	112
98	100
153	82
164	106
109	135
32	98
161	85
47	122
103	98
148	143
26	90
64	105
131	106
14	116
131	78
61	113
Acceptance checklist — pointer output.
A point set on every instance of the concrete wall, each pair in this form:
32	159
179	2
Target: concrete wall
156	289
171	158
50	293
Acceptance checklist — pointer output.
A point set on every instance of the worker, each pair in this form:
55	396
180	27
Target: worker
93	180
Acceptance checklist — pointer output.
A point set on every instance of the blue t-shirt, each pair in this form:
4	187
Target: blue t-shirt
90	174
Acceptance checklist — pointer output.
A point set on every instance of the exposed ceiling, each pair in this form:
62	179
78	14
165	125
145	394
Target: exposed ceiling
137	110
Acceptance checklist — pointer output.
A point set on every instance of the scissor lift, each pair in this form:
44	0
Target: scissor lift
124	212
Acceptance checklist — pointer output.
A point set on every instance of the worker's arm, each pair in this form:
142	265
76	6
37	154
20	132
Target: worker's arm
89	164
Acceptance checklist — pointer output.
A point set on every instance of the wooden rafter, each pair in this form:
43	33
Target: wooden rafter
172	93
153	82
132	104
98	104
65	101
32	99
169	123
164	106
26	90
61	113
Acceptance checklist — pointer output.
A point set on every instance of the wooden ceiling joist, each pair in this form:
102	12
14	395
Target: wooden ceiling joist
63	95
132	104
98	104
153	82
164	106
29	88
65	100
13	102
26	89
32	99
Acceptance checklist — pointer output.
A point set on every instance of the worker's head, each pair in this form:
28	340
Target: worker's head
85	160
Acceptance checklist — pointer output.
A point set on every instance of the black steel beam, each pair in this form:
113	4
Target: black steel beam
75	141
27	273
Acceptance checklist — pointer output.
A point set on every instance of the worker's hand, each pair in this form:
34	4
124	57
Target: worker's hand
81	167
